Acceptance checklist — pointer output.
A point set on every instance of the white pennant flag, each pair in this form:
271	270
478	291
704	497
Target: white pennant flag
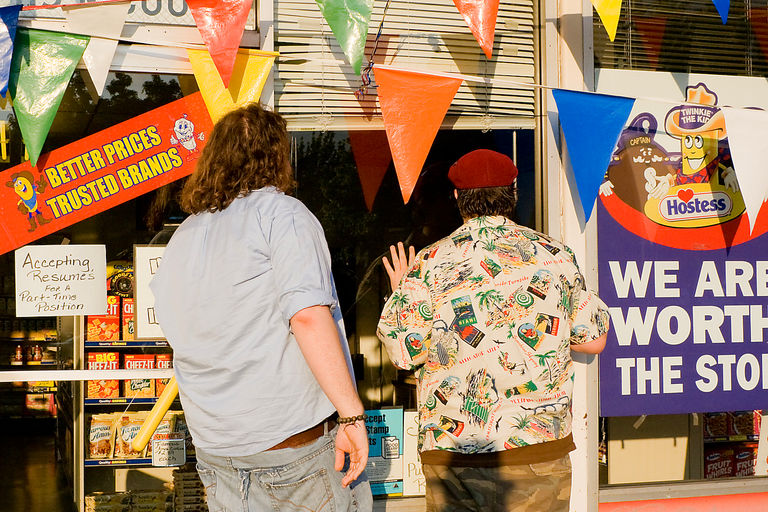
104	23
747	132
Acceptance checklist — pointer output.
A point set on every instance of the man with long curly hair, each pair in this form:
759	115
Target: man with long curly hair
247	301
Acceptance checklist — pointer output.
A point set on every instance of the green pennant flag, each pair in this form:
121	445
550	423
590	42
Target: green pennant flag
42	64
349	20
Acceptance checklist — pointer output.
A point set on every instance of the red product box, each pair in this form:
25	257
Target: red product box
718	462
744	423
105	327
744	459
105	388
162	361
139	388
126	318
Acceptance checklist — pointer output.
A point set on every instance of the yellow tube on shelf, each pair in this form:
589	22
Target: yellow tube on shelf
155	415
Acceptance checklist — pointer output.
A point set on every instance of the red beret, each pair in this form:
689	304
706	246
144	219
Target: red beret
482	168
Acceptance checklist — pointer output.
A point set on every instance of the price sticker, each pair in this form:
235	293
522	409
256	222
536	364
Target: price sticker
168	450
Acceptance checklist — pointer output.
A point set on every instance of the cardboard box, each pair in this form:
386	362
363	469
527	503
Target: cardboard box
126	319
162	362
718	462
105	327
104	388
139	388
744	459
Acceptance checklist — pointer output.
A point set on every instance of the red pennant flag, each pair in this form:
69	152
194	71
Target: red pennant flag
221	24
372	157
480	15
758	18
651	29
413	106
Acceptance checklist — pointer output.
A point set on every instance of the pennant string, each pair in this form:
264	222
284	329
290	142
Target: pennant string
365	76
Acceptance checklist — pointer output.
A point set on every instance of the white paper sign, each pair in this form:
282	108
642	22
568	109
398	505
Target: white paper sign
414	483
146	260
61	280
168	450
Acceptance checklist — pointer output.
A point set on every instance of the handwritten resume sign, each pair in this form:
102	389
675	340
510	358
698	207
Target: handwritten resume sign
61	280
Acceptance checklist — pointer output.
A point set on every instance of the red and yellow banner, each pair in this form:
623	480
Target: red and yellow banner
101	171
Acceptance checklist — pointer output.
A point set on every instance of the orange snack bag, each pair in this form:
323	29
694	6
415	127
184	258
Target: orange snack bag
104	388
101	436
105	327
127	427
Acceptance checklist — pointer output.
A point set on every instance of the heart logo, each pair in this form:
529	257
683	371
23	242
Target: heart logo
685	195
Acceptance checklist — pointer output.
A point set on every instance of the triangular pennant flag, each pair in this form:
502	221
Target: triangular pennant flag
104	23
722	7
221	24
591	125
651	29
372	157
480	15
413	106
609	11
43	63
9	18
758	19
747	131
249	74
349	20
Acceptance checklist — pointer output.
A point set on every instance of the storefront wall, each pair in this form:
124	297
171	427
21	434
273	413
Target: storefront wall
655	462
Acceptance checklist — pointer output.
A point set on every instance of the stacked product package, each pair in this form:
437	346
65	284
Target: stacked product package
111	434
130	501
188	489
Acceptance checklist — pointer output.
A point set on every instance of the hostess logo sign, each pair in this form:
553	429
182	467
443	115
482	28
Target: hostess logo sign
690	205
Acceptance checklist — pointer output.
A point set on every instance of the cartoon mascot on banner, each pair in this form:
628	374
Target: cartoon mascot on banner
693	188
23	183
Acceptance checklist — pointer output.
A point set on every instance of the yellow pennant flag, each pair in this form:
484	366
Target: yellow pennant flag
249	75
609	11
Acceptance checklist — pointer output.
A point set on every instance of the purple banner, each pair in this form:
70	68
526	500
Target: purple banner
685	280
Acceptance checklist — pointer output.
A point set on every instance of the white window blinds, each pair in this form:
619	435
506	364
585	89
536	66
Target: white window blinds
314	85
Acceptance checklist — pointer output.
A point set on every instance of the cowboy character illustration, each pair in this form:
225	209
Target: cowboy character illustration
23	183
701	130
184	131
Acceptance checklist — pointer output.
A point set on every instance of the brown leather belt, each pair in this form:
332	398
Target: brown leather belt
307	436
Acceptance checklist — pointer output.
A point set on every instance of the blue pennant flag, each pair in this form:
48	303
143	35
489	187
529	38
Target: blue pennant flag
591	125
9	19
722	7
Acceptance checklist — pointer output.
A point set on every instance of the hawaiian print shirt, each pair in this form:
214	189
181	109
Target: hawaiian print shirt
486	317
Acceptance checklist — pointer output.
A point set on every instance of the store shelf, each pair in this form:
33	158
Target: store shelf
122	462
29	366
118	462
119	401
731	439
125	344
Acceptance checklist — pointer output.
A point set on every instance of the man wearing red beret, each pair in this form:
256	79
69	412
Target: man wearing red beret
488	317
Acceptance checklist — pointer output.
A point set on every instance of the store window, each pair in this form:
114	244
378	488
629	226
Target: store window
686	36
329	185
659	351
42	423
42	419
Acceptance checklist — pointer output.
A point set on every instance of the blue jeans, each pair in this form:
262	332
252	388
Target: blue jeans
288	480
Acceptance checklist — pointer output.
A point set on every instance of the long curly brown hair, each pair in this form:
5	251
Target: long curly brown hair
248	149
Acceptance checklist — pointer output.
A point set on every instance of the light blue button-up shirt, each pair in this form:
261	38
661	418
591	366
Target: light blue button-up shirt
228	284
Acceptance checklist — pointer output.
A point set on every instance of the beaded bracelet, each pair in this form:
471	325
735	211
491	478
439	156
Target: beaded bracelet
352	419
